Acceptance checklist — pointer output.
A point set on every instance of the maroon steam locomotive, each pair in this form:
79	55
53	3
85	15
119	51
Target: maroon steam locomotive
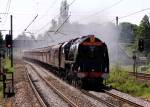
83	61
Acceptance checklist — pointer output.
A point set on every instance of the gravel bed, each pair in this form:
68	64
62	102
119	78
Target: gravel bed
139	101
72	93
95	101
51	99
24	96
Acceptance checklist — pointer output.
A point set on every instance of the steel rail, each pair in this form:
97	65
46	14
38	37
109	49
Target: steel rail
122	99
72	104
145	74
90	95
141	75
98	99
42	103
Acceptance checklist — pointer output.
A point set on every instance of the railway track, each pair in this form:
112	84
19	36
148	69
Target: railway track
83	91
143	76
120	99
70	103
123	100
98	99
42	103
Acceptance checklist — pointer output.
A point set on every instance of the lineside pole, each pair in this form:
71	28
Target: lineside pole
117	44
134	63
11	32
117	21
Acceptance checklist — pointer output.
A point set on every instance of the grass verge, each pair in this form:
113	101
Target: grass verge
7	65
1	94
121	80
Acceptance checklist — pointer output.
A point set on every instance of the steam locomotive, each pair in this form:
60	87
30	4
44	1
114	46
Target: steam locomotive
82	61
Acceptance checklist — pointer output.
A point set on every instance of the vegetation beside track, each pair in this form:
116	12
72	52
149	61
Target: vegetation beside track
7	65
1	93
121	80
148	70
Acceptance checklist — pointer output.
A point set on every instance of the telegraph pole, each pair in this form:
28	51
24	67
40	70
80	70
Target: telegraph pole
11	33
134	62
117	21
117	49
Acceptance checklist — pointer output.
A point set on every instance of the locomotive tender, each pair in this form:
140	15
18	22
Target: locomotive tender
83	61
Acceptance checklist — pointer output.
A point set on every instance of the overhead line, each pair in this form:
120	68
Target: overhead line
64	11
42	27
62	24
4	13
128	15
7	10
8	5
31	22
102	10
109	7
54	2
134	13
54	17
72	2
41	17
58	28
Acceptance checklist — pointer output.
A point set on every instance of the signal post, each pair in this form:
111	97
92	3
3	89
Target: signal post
8	81
136	54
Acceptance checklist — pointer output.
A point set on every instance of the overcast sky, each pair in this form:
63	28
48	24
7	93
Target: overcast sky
82	11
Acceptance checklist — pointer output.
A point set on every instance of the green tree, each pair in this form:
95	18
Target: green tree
144	28
135	30
144	32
